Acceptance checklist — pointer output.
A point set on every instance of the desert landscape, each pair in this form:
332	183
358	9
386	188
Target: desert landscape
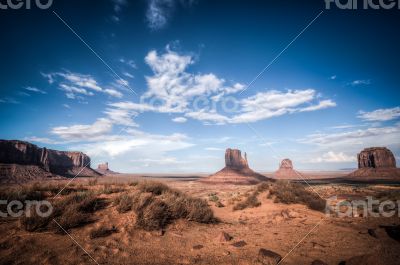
236	216
200	132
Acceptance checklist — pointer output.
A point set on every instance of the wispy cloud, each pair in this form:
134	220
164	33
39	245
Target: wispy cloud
333	77
36	90
78	85
8	100
332	157
380	114
160	11
360	82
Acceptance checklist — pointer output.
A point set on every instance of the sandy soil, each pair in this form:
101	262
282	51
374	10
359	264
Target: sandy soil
303	237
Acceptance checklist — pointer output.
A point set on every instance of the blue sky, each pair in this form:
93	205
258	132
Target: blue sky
170	90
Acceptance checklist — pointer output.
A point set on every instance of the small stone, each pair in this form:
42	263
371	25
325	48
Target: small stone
372	233
318	262
268	257
224	237
239	244
197	247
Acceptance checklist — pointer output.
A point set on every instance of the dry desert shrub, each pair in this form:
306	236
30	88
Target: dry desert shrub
289	193
123	202
102	231
93	181
69	212
156	188
157	205
250	201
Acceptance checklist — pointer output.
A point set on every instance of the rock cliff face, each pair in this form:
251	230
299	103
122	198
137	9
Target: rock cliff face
375	163
376	157
286	170
234	159
57	162
236	171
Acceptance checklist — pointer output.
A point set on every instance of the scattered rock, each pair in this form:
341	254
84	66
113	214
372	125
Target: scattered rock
393	232
239	244
372	233
197	247
224	237
268	257
318	262
286	214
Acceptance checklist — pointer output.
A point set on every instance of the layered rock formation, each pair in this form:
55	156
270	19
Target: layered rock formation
286	170
236	170
56	162
376	157
104	169
376	163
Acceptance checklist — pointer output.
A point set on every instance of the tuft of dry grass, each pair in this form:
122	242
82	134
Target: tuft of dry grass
289	193
123	202
109	189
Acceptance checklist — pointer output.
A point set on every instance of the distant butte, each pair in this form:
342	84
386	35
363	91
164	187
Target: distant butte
376	163
236	171
286	170
105	170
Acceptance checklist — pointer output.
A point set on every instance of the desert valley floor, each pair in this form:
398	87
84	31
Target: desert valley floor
298	234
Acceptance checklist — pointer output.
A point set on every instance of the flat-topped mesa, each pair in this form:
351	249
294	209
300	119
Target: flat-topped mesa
375	164
376	157
54	161
234	159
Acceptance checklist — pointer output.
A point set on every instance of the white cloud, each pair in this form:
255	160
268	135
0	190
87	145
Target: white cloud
84	132
128	75
332	157
375	136
179	119
43	140
113	92
66	106
130	63
140	144
79	84
333	77
380	114
172	89
158	13
214	149
207	117
360	82
121	116
36	90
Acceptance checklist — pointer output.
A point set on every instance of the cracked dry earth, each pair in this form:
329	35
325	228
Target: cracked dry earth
272	226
